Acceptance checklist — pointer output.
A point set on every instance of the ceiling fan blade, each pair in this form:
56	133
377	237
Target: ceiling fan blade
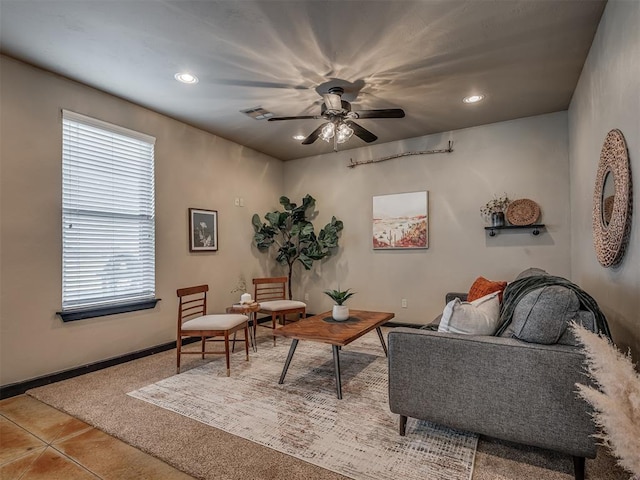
363	133
332	101
302	117
313	136
254	84
383	113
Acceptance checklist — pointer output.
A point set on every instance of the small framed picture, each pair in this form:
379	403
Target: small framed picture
203	230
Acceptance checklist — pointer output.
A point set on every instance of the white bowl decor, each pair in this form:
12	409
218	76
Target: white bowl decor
340	312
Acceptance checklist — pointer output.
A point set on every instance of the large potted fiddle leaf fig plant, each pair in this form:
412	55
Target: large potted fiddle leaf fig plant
293	234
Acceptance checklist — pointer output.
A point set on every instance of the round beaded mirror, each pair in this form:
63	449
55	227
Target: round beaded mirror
612	201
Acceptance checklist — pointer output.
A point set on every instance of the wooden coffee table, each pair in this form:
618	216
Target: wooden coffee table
322	328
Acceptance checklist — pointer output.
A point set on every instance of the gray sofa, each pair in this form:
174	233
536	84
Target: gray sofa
501	387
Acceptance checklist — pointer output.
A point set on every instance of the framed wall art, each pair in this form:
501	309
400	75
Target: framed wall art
400	221
203	230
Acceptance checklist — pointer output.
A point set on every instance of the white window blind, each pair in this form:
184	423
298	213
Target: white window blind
108	214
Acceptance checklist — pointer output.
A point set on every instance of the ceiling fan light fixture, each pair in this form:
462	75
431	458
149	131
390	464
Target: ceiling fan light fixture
185	77
473	98
339	124
344	133
328	131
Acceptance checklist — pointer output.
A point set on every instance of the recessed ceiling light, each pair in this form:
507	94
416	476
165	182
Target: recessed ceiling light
473	98
186	77
299	137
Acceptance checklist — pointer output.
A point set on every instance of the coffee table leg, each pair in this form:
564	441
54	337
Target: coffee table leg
336	366
384	345
292	349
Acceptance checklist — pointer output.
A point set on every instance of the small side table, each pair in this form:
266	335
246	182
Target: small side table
249	309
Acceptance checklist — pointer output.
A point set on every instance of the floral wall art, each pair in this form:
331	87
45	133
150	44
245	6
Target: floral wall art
401	221
203	230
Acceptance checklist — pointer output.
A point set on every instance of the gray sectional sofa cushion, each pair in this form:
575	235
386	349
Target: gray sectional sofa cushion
525	288
543	315
584	318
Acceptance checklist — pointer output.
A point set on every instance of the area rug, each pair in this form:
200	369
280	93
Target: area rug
356	436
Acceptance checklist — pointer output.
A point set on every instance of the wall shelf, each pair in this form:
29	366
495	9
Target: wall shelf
535	228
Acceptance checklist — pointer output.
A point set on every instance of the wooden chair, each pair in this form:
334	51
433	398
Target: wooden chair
193	321
270	294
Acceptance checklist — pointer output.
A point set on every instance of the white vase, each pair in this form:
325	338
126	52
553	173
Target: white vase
340	313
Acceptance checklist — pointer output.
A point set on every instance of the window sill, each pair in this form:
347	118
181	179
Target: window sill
92	312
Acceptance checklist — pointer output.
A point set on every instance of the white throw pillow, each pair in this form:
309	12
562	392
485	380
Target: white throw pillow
479	317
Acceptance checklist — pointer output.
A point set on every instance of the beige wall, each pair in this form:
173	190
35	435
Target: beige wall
607	97
193	169
526	158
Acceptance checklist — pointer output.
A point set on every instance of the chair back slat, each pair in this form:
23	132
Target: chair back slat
271	288
183	292
196	310
193	302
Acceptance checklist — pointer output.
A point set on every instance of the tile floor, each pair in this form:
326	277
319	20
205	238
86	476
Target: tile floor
38	442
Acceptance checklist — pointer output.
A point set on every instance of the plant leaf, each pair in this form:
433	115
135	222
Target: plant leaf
262	242
315	251
273	218
284	201
307	229
305	261
256	222
339	296
308	202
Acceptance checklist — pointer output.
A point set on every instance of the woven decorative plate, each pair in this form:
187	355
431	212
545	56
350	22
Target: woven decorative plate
523	212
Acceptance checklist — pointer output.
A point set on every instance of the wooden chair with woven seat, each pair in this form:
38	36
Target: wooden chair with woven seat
193	321
270	293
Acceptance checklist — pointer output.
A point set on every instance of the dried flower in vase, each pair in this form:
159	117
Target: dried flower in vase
497	204
241	286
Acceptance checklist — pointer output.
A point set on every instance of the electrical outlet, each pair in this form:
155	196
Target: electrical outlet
242	201
404	303
236	202
306	297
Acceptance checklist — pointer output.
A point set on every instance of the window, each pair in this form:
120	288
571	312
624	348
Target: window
108	218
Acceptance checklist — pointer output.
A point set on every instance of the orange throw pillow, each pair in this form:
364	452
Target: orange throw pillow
482	287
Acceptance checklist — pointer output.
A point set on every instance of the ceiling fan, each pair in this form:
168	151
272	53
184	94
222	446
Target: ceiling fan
340	125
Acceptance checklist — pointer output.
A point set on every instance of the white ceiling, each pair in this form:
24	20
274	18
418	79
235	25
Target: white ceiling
421	56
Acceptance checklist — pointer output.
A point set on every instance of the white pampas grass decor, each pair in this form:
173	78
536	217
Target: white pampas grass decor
617	400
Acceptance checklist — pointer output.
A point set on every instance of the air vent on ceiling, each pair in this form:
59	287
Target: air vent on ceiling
258	113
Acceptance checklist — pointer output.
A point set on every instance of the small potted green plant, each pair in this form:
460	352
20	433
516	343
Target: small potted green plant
340	312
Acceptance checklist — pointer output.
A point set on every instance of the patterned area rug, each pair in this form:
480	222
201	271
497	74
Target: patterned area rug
356	436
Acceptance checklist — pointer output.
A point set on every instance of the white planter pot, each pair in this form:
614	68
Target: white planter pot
340	313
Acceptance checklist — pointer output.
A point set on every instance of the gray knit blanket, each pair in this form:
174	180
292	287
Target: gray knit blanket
519	288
